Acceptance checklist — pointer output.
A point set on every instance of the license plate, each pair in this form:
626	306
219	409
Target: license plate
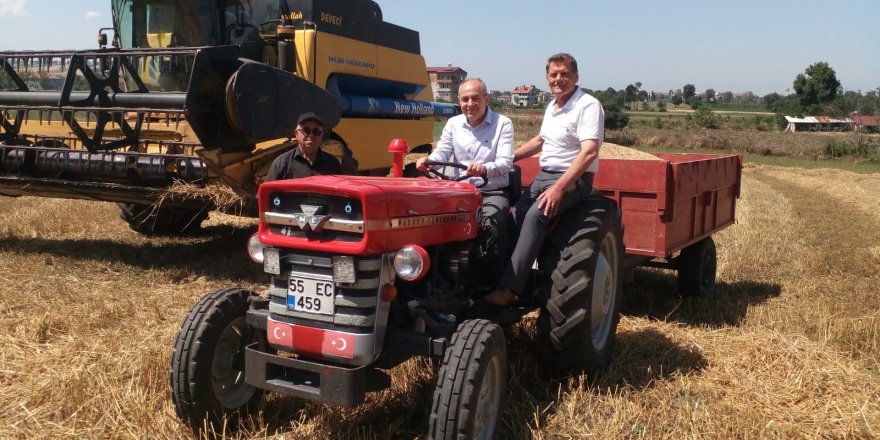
312	295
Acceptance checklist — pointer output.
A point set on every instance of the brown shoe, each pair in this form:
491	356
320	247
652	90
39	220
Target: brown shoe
501	297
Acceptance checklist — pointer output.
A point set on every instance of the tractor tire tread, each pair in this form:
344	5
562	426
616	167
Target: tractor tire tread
188	345
570	253
456	379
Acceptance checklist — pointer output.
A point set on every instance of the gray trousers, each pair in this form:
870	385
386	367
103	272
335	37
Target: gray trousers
533	225
493	231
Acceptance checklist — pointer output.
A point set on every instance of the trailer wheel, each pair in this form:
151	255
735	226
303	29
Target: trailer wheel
207	364
162	220
696	266
470	383
583	259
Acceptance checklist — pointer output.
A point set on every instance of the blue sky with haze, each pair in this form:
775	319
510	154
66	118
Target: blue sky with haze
743	45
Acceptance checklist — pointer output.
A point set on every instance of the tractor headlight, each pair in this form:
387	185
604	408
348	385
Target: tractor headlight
411	263
268	256
255	248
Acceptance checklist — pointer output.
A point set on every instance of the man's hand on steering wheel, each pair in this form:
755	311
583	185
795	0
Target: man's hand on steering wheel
420	164
478	170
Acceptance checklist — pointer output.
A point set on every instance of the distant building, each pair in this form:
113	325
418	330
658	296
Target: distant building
524	96
544	97
866	123
497	95
817	123
445	82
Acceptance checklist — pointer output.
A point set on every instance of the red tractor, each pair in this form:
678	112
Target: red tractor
368	272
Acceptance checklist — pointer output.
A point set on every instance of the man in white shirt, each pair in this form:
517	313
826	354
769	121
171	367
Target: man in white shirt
569	141
482	140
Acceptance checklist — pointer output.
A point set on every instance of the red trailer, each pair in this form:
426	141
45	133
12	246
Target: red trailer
670	208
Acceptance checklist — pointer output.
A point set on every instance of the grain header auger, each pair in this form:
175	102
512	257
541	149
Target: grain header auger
208	91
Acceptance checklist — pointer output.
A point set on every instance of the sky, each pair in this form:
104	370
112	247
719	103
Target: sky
742	45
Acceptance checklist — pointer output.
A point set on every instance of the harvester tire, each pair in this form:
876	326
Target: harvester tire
208	388
162	220
470	383
696	266
583	258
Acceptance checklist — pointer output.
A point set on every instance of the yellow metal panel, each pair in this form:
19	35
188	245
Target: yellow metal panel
368	139
338	55
304	40
159	39
47	128
346	55
404	67
160	129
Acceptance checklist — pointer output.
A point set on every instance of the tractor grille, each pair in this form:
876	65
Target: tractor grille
288	214
355	303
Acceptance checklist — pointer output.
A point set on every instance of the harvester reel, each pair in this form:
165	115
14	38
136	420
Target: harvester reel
99	92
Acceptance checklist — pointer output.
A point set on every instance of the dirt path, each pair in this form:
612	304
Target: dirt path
857	192
838	235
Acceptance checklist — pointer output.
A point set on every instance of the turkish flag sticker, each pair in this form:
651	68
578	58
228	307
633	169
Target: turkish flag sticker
280	333
338	344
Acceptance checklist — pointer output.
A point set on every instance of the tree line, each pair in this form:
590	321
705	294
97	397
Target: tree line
817	91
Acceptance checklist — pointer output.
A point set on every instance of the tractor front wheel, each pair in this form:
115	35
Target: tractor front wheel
207	364
470	383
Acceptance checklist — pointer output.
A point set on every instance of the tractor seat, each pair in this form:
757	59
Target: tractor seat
514	186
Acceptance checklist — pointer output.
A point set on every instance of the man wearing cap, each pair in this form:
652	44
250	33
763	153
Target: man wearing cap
307	159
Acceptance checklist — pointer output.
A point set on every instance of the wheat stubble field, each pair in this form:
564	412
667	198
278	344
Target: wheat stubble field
789	347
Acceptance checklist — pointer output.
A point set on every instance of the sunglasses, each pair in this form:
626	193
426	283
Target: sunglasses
317	131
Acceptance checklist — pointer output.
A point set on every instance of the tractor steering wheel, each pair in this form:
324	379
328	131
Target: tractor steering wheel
438	175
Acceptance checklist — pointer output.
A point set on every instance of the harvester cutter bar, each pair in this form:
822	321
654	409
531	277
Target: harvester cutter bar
134	168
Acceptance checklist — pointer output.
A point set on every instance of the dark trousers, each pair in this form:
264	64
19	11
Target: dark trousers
533	225
493	231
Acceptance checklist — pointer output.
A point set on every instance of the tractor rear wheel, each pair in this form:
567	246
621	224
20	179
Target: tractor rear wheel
470	383
696	266
162	220
207	364
583	259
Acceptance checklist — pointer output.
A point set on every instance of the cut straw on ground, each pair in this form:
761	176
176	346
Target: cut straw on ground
788	348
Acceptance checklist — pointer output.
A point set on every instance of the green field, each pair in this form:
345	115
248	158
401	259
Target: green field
783	161
753	134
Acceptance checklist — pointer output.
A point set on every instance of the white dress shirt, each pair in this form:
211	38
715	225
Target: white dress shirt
489	143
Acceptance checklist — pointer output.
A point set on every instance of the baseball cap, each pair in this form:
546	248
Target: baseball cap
309	115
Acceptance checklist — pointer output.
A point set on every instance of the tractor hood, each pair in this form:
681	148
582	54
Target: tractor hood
366	215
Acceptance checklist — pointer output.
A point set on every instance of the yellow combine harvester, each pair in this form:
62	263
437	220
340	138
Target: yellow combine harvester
204	92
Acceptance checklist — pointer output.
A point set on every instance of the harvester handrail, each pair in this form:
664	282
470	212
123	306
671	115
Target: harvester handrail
98	52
